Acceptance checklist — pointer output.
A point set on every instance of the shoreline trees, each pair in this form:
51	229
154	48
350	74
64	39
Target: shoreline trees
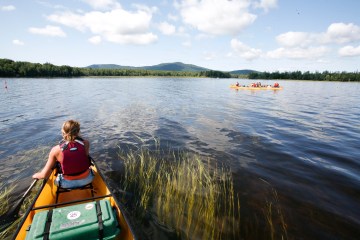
10	68
316	76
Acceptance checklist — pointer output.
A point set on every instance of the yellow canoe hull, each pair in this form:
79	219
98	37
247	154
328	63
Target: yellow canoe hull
255	88
47	197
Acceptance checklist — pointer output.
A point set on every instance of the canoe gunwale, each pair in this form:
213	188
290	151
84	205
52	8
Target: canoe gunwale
122	214
119	204
24	217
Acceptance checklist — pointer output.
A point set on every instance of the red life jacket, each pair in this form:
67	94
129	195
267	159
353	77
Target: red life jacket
75	160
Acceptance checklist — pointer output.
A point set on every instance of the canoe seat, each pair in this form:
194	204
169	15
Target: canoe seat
60	190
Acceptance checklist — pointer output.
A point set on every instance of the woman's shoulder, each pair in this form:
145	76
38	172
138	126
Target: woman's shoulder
86	142
56	149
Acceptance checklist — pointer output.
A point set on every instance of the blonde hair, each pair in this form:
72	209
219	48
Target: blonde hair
70	130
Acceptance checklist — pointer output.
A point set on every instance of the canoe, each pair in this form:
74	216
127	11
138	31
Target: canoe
76	214
255	88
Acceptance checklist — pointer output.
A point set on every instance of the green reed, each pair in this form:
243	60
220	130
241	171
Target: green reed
26	157
5	197
184	192
4	207
274	216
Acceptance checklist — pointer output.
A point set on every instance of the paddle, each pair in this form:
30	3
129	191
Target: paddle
13	213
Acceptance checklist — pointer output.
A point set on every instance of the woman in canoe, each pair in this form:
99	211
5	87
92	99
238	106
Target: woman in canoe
73	156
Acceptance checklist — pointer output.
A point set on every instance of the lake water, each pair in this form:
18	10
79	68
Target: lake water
302	141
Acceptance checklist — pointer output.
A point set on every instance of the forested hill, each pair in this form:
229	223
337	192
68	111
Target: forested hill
109	66
243	72
176	66
10	68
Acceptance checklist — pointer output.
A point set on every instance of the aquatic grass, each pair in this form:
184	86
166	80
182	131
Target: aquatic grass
183	192
195	198
275	218
5	194
6	234
5	200
5	197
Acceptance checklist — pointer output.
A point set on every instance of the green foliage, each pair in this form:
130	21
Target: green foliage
215	74
316	76
9	68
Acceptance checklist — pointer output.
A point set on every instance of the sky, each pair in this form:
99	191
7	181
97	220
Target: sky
225	35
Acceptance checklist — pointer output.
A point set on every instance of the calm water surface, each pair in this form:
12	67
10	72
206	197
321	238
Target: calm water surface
302	141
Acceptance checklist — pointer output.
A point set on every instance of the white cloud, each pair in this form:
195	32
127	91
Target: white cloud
187	43
118	25
217	17
349	51
95	40
18	42
103	4
298	53
245	51
181	30
266	4
145	8
166	28
139	39
7	8
306	45
336	33
295	39
49	30
173	17
342	33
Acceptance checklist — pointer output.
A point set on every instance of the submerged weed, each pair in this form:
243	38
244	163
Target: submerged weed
5	206
183	192
5	197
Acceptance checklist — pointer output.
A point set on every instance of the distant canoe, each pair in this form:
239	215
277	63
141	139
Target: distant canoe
255	88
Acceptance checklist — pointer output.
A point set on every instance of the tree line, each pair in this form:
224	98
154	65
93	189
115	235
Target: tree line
10	68
317	76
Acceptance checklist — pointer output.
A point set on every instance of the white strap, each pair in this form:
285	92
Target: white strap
77	140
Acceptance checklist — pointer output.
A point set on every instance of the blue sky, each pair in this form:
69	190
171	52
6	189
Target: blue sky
264	35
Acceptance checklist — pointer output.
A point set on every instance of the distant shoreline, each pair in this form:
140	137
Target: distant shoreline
12	69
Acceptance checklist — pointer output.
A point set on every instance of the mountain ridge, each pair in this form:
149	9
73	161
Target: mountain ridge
173	66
